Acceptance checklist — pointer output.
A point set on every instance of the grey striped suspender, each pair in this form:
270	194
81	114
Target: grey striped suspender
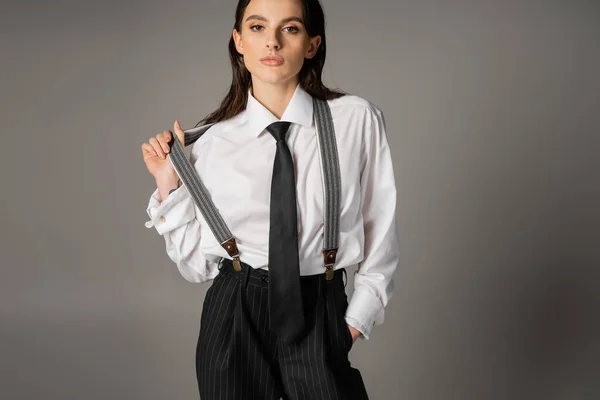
332	182
330	171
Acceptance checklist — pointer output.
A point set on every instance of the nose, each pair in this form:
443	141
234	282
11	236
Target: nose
272	46
273	42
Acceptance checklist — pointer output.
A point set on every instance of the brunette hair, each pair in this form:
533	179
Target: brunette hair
310	74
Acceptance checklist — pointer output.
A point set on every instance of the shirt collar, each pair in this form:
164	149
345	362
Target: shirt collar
299	111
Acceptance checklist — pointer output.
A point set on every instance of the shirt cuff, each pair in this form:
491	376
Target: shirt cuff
364	311
358	326
176	210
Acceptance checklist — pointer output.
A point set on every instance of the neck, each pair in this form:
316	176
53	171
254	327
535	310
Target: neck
275	97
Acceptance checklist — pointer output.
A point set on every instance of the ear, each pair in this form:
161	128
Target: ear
237	38
313	46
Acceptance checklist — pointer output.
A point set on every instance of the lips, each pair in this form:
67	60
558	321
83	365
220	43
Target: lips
272	60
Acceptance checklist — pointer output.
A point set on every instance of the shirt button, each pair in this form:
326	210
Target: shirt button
162	218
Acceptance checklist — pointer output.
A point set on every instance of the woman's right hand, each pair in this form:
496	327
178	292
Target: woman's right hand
155	153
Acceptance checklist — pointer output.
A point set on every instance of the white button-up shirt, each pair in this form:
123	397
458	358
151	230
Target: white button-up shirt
234	160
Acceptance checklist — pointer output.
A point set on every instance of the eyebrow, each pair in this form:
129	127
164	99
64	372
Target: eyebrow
288	19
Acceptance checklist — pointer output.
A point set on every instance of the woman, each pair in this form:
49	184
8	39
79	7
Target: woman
277	51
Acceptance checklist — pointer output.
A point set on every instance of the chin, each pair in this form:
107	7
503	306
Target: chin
272	75
272	78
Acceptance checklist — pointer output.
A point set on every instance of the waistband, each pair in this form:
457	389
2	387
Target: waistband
261	276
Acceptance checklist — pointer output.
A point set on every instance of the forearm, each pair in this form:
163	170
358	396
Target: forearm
175	219
166	184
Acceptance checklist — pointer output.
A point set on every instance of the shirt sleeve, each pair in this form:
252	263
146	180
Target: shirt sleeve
175	219
373	280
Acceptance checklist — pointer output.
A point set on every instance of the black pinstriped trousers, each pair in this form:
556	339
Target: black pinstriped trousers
239	358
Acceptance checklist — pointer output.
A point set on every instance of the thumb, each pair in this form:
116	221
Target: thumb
178	132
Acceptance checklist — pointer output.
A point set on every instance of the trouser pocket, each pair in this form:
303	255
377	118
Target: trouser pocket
340	338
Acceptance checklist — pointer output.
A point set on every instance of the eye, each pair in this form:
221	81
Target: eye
293	29
255	26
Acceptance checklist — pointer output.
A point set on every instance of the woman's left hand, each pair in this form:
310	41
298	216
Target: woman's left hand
355	333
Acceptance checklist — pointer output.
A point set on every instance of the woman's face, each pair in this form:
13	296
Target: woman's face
274	28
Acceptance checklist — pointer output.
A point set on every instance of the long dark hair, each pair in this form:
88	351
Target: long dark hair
310	74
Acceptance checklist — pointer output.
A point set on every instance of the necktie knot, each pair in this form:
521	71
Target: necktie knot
278	129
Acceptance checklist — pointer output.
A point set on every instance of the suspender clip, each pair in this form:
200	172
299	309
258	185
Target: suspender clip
329	261
231	248
329	272
236	264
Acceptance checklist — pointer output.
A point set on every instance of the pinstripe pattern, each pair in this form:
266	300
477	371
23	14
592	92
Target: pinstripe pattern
193	134
198	191
238	357
330	170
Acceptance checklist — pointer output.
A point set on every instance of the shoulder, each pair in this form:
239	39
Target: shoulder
353	105
220	128
356	116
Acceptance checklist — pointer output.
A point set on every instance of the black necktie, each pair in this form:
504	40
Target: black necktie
286	311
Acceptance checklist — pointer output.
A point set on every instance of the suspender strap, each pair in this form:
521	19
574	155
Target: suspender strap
200	194
330	171
332	183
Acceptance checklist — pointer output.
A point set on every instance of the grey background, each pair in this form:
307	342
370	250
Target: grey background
492	111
